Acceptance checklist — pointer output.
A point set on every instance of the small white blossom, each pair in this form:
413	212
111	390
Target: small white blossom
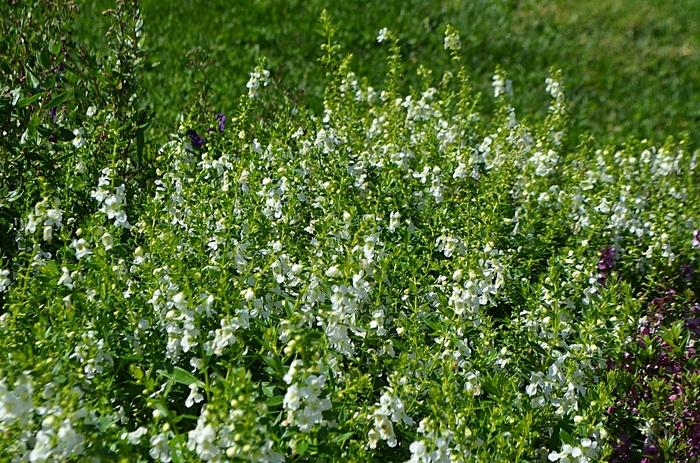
258	78
81	248
452	41
5	280
78	140
195	397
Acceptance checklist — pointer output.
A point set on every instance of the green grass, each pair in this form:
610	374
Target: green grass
632	67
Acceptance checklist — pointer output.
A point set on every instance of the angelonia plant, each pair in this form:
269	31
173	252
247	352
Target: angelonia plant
399	278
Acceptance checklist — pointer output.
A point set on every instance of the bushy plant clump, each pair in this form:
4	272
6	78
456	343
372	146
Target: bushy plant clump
398	278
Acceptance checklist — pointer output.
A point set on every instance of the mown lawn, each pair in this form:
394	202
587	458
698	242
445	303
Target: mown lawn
632	67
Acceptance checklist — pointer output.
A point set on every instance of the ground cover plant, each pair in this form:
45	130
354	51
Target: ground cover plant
397	275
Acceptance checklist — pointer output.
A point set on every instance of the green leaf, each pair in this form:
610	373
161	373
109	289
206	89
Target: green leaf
302	447
341	438
58	99
55	47
50	269
64	134
32	78
16	95
161	407
268	390
274	365
181	376
136	372
27	100
565	437
275	401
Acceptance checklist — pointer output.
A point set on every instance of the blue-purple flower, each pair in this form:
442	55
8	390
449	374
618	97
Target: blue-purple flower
195	138
221	121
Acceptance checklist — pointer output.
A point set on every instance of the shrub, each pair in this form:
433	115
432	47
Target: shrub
397	278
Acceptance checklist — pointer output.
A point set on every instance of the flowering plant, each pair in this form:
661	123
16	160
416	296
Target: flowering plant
397	277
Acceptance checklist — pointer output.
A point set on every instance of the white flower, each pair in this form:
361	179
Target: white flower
78	141
202	439
48	234
452	41
382	35
292	398
248	294
194	398
585	453
160	449
501	86
333	272
390	410
531	389
385	429
134	437
258	78
65	279
5	280
16	405
81	249
394	220
107	241
54	218
419	453
553	87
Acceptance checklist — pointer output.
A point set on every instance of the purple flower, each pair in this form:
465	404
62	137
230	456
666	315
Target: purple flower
696	239
195	138
606	263
649	448
687	272
52	112
607	258
221	120
693	325
622	449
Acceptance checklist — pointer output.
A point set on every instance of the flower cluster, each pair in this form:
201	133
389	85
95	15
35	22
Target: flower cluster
606	263
112	201
389	411
585	452
396	275
258	78
47	217
303	400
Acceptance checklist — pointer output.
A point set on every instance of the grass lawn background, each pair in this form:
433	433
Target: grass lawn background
632	67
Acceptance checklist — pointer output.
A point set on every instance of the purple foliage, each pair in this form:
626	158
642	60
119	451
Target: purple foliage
654	361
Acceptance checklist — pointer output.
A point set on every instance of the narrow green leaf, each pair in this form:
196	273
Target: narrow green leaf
33	80
27	100
58	99
181	376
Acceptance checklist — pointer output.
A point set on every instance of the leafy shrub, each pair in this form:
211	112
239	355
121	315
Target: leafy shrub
397	278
